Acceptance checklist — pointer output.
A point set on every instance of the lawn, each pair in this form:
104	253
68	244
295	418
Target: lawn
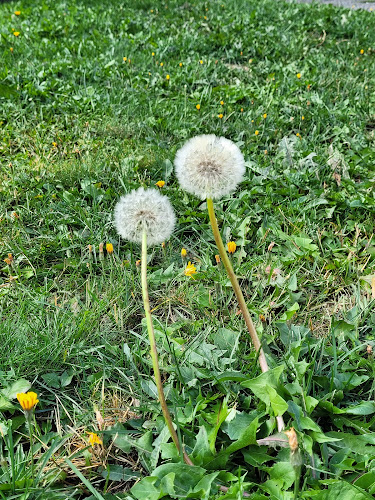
96	97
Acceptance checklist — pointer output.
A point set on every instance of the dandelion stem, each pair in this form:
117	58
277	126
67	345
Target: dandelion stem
154	352
29	425
241	300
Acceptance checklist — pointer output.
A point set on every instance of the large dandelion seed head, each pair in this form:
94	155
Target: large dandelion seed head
209	166
144	209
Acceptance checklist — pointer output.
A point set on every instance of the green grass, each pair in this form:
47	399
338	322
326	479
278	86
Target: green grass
80	127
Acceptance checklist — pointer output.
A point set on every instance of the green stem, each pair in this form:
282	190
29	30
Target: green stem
240	298
297	471
154	352
29	418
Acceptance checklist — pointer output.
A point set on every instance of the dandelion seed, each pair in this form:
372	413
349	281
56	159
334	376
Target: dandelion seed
190	270
168	77
109	248
27	401
144	209
160	184
94	439
257	131
183	253
299	75
198	106
220	115
209	166
16	33
231	246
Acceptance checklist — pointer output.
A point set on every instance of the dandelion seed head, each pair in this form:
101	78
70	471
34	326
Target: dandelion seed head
144	209
209	166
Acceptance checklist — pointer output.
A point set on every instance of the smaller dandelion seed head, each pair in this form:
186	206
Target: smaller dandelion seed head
209	166
144	209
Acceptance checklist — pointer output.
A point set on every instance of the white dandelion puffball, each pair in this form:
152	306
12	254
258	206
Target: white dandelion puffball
209	166
144	209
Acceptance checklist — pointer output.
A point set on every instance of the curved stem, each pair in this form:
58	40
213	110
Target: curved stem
241	300
154	352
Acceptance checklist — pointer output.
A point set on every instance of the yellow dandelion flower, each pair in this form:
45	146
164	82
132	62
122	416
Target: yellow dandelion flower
241	110
222	103
302	117
168	77
54	144
109	248
265	152
11	49
361	51
220	115
298	134
183	252
299	75
180	64
16	33
94	439
28	400
161	64
124	59
265	115
153	54
201	61
160	184
205	17
250	61
190	270
256	132
198	106
8	260
217	258
231	246
17	12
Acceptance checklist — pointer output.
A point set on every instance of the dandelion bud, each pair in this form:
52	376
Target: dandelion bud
183	253
109	248
144	210
217	258
292	438
209	166
101	251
